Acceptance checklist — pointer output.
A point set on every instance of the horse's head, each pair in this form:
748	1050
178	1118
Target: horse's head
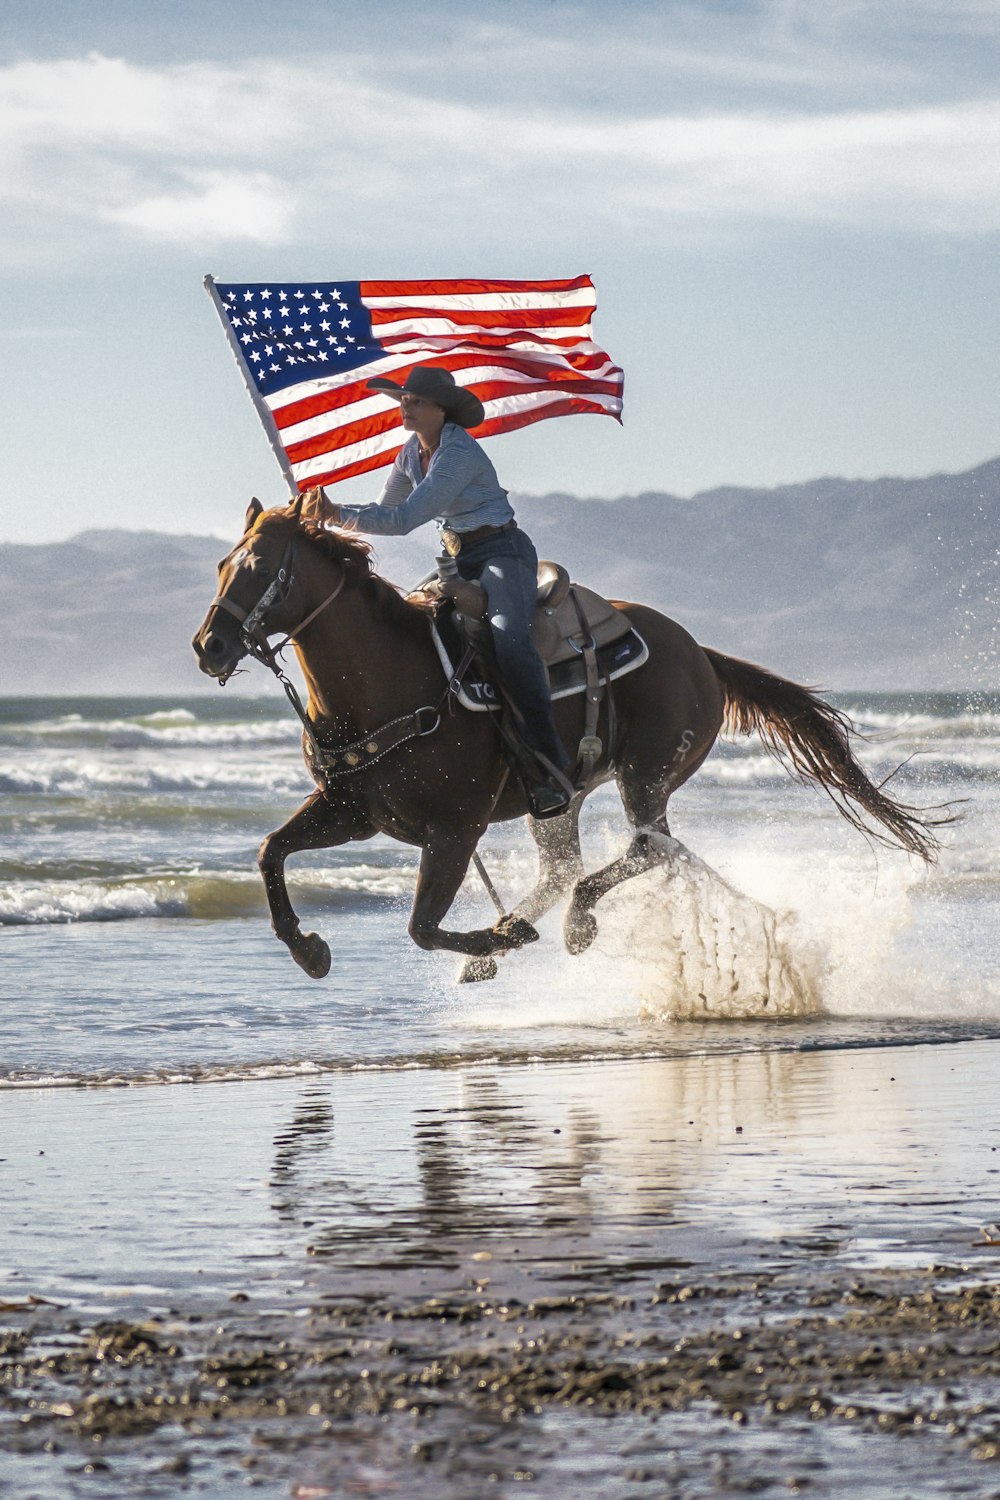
255	581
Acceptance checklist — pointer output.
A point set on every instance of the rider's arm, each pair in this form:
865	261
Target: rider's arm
321	508
402	507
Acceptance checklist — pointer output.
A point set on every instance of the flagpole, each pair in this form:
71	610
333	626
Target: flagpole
263	411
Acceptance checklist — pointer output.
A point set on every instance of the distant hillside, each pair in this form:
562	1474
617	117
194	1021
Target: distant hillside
849	583
845	583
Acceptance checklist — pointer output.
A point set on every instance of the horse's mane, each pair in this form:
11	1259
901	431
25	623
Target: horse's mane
350	551
357	558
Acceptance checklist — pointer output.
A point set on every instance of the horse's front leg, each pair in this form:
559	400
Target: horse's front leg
443	865
318	824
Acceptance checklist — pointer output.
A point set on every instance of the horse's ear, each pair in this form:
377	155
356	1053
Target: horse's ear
254	509
296	506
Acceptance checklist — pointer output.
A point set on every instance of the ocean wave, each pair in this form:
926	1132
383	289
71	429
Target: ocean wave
745	769
204	896
55	901
79	777
907	725
167	729
941	760
956	762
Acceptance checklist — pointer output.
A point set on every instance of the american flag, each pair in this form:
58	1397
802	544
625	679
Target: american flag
307	351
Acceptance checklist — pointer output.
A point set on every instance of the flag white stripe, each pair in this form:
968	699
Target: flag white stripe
401	357
520	349
506	406
443	327
490	301
386	442
368	406
332	421
377	369
382	442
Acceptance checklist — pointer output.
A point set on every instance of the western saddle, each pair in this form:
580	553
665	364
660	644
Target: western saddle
568	617
570	623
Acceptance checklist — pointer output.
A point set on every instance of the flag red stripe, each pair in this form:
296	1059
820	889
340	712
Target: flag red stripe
345	395
335	437
515	318
468	288
507	422
342	437
351	470
564	407
567	384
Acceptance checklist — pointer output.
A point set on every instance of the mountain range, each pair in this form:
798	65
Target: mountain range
847	584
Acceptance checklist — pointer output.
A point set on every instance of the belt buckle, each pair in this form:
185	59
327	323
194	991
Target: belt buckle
452	542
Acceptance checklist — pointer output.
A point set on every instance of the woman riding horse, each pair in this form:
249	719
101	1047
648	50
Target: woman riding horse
387	761
442	474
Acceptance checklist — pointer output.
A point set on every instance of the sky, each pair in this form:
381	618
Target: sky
790	210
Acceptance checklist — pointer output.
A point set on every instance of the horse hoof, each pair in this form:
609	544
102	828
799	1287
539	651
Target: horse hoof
312	954
580	933
514	932
475	970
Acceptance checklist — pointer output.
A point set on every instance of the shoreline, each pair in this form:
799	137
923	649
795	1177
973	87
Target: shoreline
730	1037
705	1271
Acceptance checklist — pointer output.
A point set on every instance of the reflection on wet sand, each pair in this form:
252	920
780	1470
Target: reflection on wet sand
621	1165
718	1274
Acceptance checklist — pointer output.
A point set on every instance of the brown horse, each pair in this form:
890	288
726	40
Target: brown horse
398	763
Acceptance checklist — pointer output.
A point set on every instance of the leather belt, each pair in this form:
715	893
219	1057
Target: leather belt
454	541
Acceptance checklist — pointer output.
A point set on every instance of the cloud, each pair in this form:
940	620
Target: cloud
108	103
195	154
919	168
216	205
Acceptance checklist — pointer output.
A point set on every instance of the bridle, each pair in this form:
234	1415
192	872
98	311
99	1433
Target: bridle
347	759
251	622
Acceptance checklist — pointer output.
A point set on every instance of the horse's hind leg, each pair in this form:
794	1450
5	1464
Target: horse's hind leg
560	863
651	845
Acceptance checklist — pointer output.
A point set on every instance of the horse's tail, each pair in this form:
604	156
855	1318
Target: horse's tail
799	729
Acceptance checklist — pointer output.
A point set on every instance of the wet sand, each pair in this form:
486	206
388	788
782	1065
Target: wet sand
694	1276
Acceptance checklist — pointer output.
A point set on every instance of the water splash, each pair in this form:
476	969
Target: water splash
788	920
703	950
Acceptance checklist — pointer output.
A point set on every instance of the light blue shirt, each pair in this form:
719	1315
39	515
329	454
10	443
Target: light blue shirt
460	491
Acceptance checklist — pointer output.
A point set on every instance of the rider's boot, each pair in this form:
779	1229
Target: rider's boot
547	790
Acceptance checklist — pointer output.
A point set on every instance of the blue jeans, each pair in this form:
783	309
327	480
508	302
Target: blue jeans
506	565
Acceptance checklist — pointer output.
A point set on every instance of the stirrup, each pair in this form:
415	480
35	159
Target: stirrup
548	794
546	800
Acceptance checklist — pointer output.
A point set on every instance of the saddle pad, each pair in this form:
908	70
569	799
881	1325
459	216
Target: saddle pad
566	677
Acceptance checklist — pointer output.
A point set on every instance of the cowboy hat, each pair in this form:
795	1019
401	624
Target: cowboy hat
437	385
